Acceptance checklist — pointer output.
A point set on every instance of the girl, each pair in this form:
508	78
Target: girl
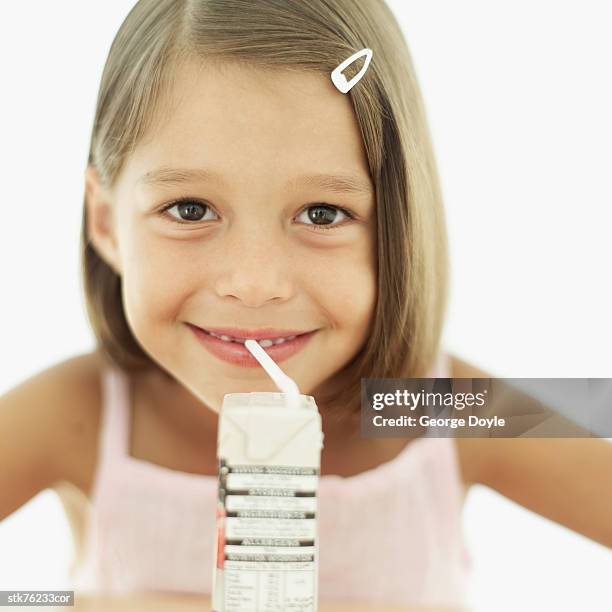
231	192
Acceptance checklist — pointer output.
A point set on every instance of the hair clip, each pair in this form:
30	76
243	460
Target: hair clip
339	79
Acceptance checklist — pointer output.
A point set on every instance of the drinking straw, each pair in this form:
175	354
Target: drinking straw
281	380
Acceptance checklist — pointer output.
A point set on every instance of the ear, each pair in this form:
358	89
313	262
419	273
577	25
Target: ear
100	226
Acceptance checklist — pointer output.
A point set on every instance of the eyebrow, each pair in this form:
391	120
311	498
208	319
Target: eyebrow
338	183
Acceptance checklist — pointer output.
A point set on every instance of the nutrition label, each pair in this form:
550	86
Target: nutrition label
266	535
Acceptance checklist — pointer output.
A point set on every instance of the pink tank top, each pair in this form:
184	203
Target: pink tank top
389	534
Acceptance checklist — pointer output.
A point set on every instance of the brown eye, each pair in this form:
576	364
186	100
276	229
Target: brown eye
187	210
323	216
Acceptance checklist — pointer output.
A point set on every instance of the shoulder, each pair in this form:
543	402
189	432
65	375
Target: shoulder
49	424
71	391
476	455
463	369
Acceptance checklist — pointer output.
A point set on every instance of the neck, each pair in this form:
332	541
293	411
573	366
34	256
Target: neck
165	394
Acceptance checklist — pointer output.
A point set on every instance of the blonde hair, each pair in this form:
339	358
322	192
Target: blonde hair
291	34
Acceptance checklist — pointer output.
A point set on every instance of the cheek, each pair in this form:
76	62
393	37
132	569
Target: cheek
354	300
345	286
158	279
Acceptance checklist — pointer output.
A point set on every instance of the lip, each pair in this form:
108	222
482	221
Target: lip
255	334
238	354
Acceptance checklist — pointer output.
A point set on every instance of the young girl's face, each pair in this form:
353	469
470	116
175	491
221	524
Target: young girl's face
247	249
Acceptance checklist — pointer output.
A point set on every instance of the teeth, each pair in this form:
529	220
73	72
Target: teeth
264	343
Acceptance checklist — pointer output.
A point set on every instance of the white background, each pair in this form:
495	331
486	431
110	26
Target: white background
518	97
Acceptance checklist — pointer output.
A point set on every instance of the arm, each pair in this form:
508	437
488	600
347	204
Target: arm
568	480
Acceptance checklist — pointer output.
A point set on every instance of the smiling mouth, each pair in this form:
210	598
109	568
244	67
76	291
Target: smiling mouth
264	342
232	349
266	336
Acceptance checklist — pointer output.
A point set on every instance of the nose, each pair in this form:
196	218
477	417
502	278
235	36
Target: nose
254	268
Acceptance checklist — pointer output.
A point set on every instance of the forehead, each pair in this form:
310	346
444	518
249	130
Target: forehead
251	121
